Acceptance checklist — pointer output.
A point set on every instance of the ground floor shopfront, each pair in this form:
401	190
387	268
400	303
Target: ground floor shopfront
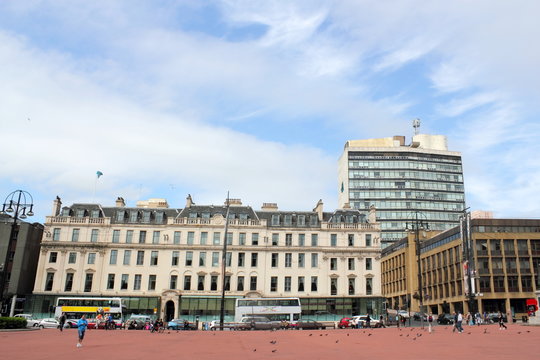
206	308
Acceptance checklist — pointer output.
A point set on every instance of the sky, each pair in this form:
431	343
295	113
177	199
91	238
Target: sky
257	98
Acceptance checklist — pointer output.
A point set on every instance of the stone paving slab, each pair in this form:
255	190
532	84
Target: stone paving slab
484	342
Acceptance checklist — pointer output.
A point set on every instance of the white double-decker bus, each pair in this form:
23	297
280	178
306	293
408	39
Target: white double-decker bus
275	309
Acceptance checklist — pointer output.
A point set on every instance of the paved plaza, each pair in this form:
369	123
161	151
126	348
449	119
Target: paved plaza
484	342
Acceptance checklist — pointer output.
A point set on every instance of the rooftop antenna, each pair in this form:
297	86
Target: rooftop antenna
416	125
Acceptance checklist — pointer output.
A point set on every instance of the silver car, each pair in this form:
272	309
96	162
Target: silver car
49	323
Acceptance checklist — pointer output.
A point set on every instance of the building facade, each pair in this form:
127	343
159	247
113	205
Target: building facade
399	179
168	261
504	267
22	261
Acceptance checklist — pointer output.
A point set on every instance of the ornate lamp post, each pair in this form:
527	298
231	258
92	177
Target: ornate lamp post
416	226
20	204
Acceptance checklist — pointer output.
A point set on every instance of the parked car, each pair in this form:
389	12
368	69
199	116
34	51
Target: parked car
259	323
181	324
71	323
494	317
138	322
344	322
419	316
374	322
30	320
404	313
445	319
49	323
303	324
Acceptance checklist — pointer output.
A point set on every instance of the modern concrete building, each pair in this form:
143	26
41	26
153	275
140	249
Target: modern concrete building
169	259
22	261
399	179
505	268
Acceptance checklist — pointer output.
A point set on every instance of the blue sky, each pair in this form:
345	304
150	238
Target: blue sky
169	98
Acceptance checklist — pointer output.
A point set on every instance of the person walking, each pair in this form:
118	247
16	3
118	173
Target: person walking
501	322
430	322
82	324
62	321
368	321
460	322
455	327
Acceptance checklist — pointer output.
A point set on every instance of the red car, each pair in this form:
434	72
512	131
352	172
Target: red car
344	323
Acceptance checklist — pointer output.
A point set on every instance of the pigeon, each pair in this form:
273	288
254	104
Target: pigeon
414	338
310	334
369	334
485	331
254	350
320	335
400	334
273	342
468	333
528	331
274	350
519	332
337	341
348	334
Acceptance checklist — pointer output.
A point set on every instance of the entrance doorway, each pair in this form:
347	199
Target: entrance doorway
169	310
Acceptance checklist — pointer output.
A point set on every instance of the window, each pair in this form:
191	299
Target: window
129	236
254	257
313	220
273	283
301	260
152	282
333	240
49	281
56	234
91	258
227	283
88	282
288	259
69	282
140	257
159	217
202	258
228	259
350	240
215	259
216	240
66	212
229	238
241	259
142	237
242	239
80	213
287	284
133	216
124	281
333	263
275	259
176	238
369	286
313	283
240	284
127	257
146	217
110	282
255	239
115	236
72	258
368	239
137	282
213	282
288	239
175	258
369	265
275	219
187	282
53	256
314	260
351	286
75	235
120	216
301	239
301	281
287	220
189	258
190	237
275	239
301	220
173	282
253	283
350	263
113	257
204	238
154	258
314	239
200	282
155	237
333	286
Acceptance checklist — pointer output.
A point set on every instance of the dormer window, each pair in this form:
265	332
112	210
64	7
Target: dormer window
205	215
349	219
301	220
232	216
94	214
313	220
133	215
80	213
120	216
192	215
288	220
159	217
146	217
275	219
66	212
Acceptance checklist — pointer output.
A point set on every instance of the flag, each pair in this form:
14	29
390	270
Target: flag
342	187
99	174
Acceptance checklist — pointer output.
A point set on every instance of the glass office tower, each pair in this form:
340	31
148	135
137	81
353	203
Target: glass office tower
422	180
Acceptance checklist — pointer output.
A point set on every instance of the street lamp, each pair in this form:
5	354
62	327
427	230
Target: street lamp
468	260
20	203
416	226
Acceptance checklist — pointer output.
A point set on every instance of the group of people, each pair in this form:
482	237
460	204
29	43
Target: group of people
477	318
157	326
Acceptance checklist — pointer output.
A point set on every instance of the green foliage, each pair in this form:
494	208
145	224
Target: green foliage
12	323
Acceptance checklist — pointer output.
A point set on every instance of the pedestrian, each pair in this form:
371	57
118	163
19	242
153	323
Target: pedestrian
368	321
430	322
455	327
62	321
459	322
82	324
397	321
501	322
